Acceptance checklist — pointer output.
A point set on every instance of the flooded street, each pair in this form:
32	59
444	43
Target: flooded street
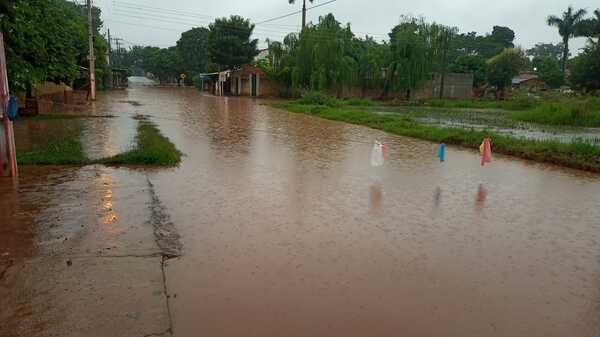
284	229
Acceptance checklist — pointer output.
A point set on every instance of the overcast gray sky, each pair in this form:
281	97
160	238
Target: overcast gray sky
144	21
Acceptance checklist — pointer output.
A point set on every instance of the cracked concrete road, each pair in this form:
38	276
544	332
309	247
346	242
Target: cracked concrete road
80	256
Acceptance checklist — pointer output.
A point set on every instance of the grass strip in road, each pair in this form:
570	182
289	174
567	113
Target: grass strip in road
64	149
152	148
576	155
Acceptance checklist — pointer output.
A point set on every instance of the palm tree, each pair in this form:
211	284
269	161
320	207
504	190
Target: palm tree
303	10
593	29
569	26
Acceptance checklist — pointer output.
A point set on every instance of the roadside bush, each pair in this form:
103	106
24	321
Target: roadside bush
318	98
521	102
197	82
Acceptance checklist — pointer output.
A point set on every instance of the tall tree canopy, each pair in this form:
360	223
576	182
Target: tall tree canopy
591	27
416	50
229	42
192	49
569	25
46	40
504	66
548	68
474	64
546	50
585	68
504	36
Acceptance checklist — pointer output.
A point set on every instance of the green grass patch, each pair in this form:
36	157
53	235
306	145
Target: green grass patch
59	150
359	102
574	112
152	148
521	103
577	155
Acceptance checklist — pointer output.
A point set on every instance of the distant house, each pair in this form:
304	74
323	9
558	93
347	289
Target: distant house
263	54
244	80
529	81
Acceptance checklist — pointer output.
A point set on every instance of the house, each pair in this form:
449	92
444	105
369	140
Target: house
529	81
245	80
263	54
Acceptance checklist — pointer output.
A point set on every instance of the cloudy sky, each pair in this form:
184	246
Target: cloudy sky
160	23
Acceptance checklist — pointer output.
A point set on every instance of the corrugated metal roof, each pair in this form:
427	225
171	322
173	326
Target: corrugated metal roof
524	78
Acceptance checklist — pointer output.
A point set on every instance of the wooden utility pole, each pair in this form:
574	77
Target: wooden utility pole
91	52
109	59
446	38
303	13
8	159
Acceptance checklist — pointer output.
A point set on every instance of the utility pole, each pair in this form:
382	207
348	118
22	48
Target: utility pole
109	60
444	61
91	52
303	13
118	43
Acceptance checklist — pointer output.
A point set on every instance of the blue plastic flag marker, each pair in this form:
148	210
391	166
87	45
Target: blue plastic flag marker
13	108
442	152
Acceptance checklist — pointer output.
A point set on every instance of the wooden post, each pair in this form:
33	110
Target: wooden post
91	52
9	140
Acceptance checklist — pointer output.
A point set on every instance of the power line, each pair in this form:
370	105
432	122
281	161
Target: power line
172	20
166	15
179	30
257	31
162	10
294	13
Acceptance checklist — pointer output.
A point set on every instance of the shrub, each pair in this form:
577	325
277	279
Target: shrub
318	98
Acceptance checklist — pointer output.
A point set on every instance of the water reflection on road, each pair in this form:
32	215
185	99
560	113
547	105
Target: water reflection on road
280	241
288	231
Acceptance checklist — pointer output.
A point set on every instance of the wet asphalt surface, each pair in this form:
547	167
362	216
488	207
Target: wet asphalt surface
282	228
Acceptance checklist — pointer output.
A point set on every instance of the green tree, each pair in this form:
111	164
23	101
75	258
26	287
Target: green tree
321	56
42	41
192	50
546	50
486	46
548	69
569	25
474	64
591	27
415	48
503	36
585	69
229	42
166	64
46	40
504	66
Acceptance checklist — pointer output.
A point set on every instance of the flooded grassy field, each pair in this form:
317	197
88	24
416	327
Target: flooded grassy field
495	120
282	228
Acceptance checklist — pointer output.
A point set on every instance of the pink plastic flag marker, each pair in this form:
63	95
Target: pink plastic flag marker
486	154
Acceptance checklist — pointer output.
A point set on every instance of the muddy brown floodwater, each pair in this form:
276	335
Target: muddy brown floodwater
286	229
